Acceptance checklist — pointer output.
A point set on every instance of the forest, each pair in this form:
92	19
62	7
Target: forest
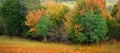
59	26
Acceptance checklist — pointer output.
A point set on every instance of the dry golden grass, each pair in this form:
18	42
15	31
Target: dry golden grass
17	45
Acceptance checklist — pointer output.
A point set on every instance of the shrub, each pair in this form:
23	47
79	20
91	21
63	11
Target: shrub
88	28
13	14
43	27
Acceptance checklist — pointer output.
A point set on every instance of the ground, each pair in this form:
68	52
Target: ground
20	45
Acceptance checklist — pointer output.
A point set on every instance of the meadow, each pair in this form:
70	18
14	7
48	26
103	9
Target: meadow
21	45
60	26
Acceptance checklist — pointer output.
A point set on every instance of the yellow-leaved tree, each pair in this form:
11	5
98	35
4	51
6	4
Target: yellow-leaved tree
56	12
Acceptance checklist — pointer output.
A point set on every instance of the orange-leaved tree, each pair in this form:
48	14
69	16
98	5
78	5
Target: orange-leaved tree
32	18
102	5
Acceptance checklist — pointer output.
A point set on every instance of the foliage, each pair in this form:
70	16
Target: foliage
87	24
116	10
43	27
88	28
13	14
33	4
113	28
68	17
56	12
94	5
114	23
32	19
1	26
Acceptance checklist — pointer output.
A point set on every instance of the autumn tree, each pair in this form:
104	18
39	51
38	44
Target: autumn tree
87	24
39	24
56	12
94	5
32	18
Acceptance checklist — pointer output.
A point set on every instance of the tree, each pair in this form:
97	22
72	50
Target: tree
13	14
114	23
88	28
1	27
87	25
43	27
39	24
118	12
95	5
32	19
56	12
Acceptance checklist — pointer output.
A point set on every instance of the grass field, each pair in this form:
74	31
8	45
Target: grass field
19	45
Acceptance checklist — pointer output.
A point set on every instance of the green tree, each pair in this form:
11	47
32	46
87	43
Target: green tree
13	13
44	27
93	26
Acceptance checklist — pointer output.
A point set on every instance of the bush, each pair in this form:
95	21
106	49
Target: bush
13	14
88	28
43	27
